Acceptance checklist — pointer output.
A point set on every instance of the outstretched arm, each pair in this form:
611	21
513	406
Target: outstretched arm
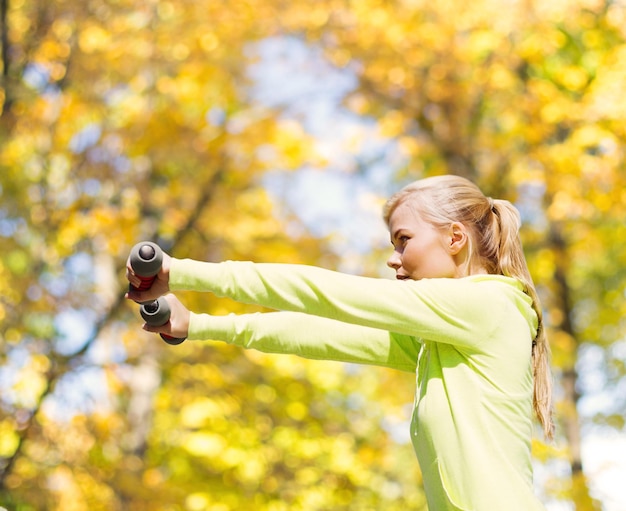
294	333
455	311
309	337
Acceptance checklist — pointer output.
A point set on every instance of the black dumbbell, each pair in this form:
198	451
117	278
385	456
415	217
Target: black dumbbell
146	259
157	313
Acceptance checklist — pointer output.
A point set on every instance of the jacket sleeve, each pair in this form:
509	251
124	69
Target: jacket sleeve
462	312
309	337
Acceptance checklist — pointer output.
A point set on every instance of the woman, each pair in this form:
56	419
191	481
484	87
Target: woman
463	313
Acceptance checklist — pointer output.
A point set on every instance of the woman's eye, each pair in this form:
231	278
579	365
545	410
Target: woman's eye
400	241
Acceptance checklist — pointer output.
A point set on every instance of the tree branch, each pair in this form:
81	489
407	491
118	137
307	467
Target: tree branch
62	365
6	64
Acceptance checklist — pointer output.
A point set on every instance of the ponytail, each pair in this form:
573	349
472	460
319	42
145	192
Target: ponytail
511	262
495	244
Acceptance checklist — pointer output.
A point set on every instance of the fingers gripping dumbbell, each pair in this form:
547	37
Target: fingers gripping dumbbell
146	259
157	313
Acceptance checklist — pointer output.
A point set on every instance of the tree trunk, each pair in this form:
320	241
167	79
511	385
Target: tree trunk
568	416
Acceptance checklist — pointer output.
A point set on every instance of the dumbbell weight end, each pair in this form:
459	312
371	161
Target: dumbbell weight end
157	313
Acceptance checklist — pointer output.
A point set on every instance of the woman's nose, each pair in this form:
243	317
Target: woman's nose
394	261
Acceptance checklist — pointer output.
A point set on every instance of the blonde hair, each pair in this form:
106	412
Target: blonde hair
494	244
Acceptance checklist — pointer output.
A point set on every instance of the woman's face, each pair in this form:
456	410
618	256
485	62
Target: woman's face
421	251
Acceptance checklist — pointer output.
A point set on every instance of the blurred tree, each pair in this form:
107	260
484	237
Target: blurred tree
124	120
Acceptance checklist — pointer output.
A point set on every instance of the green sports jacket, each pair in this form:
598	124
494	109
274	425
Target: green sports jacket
469	340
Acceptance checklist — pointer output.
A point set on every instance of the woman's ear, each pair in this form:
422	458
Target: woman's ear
458	237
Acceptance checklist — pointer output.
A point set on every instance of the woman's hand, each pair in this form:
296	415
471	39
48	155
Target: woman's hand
178	325
159	287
